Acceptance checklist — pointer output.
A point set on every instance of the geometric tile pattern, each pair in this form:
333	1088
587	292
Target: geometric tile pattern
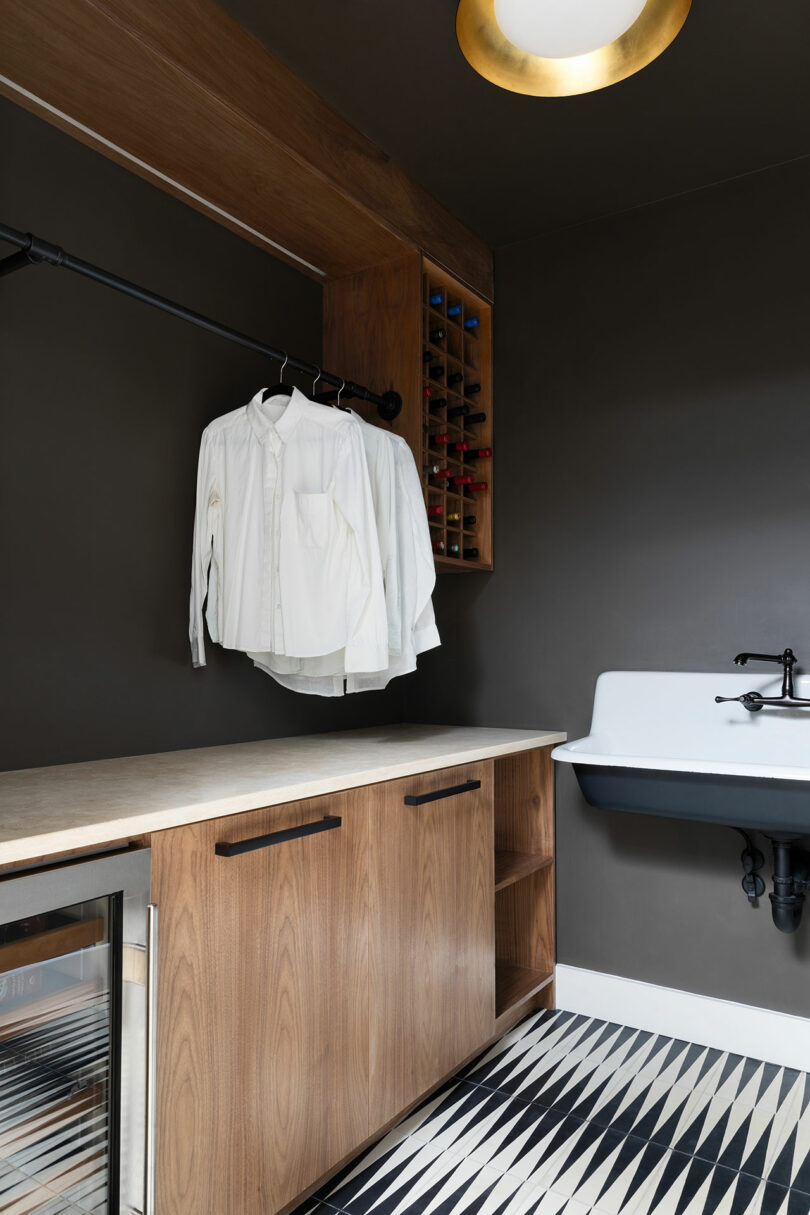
571	1115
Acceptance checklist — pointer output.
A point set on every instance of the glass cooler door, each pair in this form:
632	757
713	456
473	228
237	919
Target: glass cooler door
60	1036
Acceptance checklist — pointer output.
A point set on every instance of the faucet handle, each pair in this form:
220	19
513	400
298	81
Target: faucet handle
749	700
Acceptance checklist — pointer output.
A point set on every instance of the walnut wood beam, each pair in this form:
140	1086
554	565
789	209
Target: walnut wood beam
214	118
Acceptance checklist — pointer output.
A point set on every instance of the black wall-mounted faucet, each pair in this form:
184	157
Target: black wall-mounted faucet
752	701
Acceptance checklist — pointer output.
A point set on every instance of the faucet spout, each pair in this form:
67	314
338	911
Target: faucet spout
753	701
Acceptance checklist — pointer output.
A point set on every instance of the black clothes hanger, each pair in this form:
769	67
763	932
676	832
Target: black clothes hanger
280	389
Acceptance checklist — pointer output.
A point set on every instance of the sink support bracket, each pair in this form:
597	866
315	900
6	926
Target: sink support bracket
752	861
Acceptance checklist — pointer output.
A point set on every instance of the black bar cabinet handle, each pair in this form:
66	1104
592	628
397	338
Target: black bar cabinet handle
327	823
467	787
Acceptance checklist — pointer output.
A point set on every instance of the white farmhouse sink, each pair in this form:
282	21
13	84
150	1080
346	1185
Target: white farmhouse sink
660	745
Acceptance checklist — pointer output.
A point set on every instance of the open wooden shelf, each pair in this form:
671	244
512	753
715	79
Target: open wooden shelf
512	866
514	984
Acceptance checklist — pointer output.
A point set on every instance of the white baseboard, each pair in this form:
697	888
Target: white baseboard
740	1028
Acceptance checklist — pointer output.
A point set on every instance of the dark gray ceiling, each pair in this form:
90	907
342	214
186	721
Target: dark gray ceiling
730	96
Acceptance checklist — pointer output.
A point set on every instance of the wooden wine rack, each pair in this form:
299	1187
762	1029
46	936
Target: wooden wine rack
468	353
377	326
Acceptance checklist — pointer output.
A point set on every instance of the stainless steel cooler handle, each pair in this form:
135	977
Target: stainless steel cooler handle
151	1055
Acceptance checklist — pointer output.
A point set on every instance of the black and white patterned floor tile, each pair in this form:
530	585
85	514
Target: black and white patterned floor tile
570	1115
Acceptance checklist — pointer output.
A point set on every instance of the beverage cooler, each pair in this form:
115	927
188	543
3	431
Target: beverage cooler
77	998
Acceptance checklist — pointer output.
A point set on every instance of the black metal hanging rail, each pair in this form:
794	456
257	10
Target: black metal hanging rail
34	251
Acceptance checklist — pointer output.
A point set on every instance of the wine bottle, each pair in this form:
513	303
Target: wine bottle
454	517
471	389
455	377
462	479
439	440
435	510
454	310
469	520
477	453
476	486
427	391
471	554
436	299
438	546
458	411
444	474
437	404
430	470
427	356
471	322
437	335
461	446
436	372
472	419
455	549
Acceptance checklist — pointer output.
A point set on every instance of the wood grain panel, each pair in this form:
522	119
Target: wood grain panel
101	74
371	332
188	91
263	1013
431	943
524	802
524	921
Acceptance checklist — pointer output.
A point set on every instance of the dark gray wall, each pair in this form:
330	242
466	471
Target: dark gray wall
653	511
103	404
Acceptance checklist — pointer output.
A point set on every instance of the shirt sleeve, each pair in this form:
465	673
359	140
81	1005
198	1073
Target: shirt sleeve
367	641
206	520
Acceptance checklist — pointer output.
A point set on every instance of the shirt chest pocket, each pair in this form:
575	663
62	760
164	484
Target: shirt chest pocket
313	514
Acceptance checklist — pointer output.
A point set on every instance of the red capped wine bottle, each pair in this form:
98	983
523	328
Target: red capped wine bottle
438	546
475	487
439	440
478	453
462	479
435	510
427	391
444	474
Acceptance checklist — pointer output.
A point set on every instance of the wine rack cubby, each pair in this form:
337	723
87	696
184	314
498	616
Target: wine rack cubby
456	421
379	324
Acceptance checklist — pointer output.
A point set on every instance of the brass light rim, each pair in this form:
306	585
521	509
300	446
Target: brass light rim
493	56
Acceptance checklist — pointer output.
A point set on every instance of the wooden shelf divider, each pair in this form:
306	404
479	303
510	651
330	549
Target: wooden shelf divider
514	984
512	866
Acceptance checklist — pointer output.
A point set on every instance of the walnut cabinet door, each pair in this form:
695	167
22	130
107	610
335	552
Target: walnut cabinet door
263	1037
431	942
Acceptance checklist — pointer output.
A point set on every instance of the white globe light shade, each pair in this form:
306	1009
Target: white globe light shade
560	29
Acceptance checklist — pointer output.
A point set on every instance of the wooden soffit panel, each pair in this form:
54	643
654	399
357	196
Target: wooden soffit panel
213	117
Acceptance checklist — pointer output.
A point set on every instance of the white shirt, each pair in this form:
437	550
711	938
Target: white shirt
410	576
285	521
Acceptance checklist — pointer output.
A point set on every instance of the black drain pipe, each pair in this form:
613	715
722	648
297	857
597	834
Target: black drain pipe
789	884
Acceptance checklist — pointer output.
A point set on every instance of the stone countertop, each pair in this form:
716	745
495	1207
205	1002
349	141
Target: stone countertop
73	807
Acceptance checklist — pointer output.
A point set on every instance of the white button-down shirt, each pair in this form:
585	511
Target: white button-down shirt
285	521
409	575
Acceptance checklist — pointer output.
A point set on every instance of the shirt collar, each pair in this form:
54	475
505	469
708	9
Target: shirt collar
263	426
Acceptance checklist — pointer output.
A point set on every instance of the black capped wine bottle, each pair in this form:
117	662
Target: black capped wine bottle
455	377
471	554
471	389
436	372
472	419
458	411
427	356
437	404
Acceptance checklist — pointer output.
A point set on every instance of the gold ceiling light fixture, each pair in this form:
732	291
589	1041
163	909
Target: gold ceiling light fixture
558	48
